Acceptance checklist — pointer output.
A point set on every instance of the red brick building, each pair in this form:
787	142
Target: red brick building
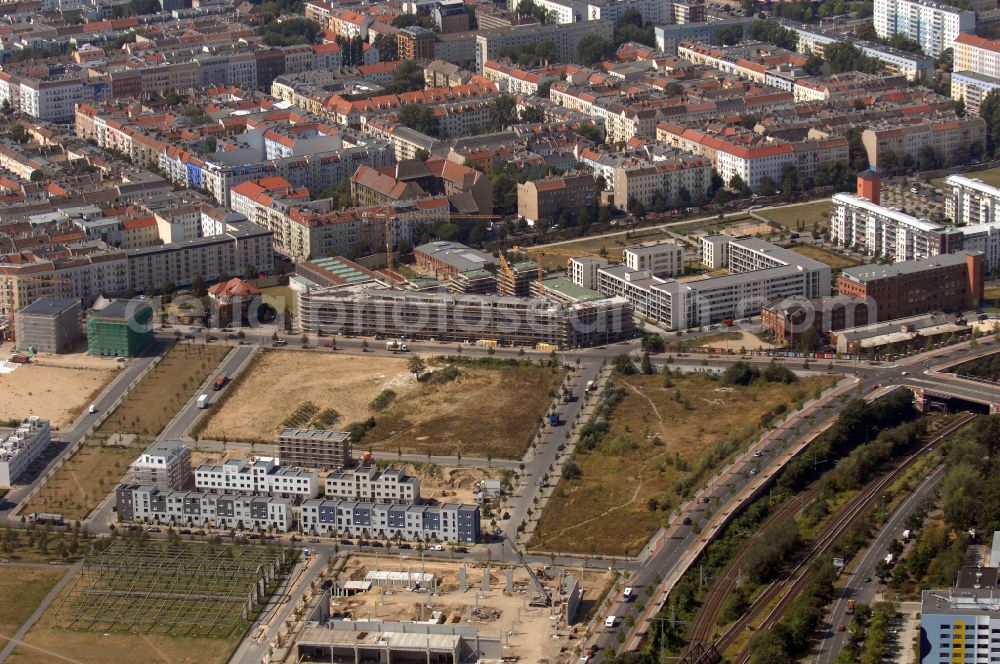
947	282
791	319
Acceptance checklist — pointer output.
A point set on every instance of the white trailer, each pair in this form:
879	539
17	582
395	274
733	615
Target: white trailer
203	401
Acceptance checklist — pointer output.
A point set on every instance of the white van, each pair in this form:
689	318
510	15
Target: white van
610	622
92	409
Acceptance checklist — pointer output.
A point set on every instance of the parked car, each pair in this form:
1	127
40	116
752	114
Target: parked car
461	549
346	542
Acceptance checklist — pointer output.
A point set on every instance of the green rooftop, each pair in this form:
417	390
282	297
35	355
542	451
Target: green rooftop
476	274
569	289
338	269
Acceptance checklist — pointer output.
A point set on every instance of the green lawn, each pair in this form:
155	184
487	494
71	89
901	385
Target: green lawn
812	214
832	258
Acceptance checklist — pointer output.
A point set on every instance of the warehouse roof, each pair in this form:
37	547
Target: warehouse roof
121	310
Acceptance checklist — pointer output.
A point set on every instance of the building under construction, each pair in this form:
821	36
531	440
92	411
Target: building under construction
515	279
512	321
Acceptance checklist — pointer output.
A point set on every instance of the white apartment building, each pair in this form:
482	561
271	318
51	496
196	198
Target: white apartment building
663	259
971	201
972	88
933	25
22	447
165	465
145	503
713	250
242	244
369	484
261	476
565	36
880	231
584	271
657	12
53	100
760	271
451	522
560	11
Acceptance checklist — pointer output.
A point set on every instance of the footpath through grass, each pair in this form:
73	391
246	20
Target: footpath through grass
86	478
663	435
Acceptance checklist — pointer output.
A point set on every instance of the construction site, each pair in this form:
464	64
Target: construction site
532	614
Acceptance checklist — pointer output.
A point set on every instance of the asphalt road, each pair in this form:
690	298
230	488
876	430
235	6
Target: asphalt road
831	641
115	390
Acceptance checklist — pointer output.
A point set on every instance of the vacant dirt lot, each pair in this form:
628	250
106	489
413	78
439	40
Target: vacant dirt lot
47	643
447	484
660	436
23	588
280	381
58	394
485	412
539	637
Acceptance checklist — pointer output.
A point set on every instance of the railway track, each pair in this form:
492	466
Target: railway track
790	586
708	613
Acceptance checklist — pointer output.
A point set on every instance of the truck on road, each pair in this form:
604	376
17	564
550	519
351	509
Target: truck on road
203	401
590	385
396	346
220	382
39	518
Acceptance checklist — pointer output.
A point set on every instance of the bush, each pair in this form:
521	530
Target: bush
622	364
571	471
382	400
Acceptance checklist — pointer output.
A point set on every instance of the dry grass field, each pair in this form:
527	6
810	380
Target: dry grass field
485	412
84	480
23	589
58	394
812	214
659	438
280	381
48	643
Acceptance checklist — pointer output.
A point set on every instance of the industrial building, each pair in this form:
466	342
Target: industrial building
22	447
760	272
49	325
121	329
451	522
314	448
445	316
393	641
165	465
369	483
949	282
902	334
149	504
447	259
260	476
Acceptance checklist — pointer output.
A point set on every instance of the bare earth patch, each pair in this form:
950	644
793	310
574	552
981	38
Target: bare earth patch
282	380
58	394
